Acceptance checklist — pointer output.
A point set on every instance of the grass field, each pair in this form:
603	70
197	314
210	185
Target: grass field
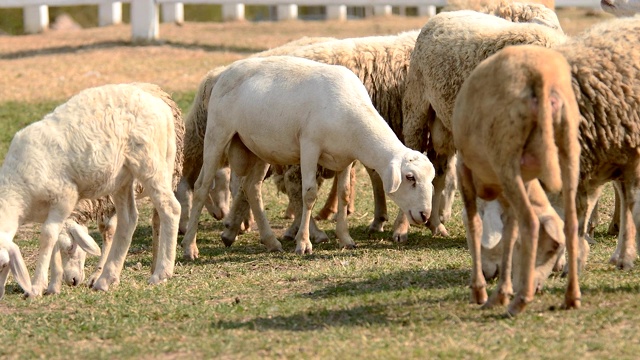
380	301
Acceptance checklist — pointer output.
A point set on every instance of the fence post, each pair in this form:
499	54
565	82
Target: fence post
109	13
232	12
36	18
426	10
382	10
337	12
173	12
287	12
145	22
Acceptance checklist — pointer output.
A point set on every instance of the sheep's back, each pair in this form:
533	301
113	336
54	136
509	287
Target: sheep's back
605	65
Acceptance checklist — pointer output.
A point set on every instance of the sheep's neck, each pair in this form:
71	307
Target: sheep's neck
377	147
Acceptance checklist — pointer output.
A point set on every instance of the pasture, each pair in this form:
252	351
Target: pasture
380	301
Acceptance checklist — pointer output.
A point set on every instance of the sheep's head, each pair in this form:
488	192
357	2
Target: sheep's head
408	182
74	242
11	261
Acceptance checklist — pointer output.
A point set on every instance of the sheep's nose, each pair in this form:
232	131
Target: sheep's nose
75	281
424	216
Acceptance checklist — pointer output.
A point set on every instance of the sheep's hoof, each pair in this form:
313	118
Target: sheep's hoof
624	264
100	285
304	248
376	227
517	305
349	246
497	298
400	237
325	214
571	304
157	279
36	290
479	295
190	253
277	247
439	230
52	291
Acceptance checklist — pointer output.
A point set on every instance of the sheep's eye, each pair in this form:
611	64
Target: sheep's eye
410	177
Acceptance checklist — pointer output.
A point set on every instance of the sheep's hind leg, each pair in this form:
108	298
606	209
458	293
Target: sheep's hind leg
342	227
127	217
293	187
380	202
474	232
107	229
240	210
252	185
167	209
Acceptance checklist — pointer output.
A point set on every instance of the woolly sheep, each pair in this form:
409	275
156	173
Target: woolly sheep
523	94
621	8
74	241
95	144
309	103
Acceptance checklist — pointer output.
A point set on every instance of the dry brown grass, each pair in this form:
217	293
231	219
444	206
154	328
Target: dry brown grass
58	64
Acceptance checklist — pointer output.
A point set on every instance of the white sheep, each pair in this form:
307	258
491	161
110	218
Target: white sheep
287	110
515	121
621	8
95	144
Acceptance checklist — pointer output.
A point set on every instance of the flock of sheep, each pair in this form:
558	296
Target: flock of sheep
498	103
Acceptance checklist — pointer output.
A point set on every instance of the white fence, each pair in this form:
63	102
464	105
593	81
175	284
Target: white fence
145	14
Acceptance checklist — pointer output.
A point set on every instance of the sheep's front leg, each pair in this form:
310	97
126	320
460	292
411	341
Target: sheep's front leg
308	166
55	283
474	233
166	219
380	202
252	185
240	210
127	218
503	293
342	227
293	187
48	237
107	229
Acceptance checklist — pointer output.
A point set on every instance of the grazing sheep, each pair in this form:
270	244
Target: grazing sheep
74	240
515	121
304	104
621	8
93	145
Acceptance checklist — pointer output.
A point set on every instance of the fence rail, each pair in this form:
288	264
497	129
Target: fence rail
145	14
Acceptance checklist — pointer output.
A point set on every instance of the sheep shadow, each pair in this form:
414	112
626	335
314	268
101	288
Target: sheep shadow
61	50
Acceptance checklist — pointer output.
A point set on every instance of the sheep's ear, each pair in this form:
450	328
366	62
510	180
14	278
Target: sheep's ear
84	240
553	227
392	177
19	268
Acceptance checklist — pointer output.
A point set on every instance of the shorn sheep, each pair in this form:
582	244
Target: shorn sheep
515	122
95	144
287	110
606	80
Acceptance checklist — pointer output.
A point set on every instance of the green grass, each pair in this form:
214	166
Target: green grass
380	301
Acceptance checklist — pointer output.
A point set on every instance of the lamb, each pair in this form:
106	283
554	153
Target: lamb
522	94
74	241
621	8
93	145
309	103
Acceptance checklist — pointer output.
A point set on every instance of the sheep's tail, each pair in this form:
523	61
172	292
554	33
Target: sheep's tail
547	108
179	127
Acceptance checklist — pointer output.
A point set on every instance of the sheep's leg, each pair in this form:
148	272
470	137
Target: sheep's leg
55	283
155	233
342	227
184	194
449	191
309	156
380	202
233	221
620	203
293	187
127	217
108	232
48	237
439	185
614	225
474	232
627	235
165	241
252	185
504	292
400	228
529	227
330	207
217	203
